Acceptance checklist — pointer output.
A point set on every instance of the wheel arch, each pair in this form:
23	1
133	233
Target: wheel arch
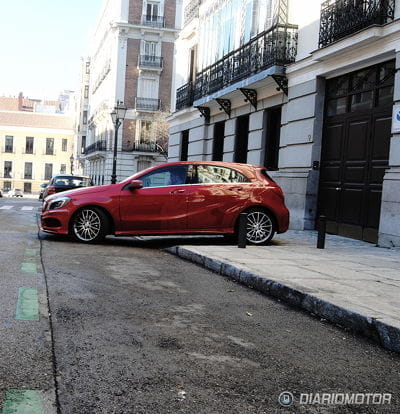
261	207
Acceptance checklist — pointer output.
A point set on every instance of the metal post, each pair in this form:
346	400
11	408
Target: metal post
321	232
242	231
114	165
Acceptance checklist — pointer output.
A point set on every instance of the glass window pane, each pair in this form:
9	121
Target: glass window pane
338	86
176	175
337	106
364	79
385	96
362	101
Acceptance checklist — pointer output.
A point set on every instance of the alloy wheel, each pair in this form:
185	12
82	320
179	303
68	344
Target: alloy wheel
260	227
87	225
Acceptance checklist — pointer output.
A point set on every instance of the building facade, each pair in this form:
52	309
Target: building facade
33	148
131	61
308	92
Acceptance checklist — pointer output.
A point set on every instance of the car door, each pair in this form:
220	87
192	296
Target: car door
160	206
217	194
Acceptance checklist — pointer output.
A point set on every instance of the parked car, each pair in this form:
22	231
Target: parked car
173	198
42	189
64	182
15	192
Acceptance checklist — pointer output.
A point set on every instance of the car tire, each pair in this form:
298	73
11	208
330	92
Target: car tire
261	226
89	225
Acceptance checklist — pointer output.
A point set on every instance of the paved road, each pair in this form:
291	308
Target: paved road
136	330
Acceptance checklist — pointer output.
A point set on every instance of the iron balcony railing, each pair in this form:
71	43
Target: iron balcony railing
276	46
150	61
341	18
147	104
145	146
97	146
154	21
191	11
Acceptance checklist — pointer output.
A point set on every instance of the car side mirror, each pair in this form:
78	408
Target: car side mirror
135	184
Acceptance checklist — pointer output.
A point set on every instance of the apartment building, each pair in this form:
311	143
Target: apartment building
306	89
131	61
33	147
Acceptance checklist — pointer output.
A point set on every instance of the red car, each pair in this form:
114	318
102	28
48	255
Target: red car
190	197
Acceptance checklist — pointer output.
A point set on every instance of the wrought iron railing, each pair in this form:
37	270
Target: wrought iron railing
97	146
146	146
341	18
276	46
154	21
150	61
147	104
191	11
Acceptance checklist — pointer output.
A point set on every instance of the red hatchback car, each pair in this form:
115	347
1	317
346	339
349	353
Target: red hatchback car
191	197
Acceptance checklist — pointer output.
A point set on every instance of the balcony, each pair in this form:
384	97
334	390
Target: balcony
147	104
191	11
150	62
145	146
276	46
153	21
97	146
341	18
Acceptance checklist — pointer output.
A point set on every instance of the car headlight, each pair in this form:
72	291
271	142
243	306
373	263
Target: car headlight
58	202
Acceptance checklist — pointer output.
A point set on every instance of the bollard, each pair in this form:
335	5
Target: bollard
321	232
242	231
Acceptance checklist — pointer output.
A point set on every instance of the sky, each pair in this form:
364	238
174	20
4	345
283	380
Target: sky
41	43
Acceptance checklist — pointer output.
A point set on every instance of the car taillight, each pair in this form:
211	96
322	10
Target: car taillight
51	190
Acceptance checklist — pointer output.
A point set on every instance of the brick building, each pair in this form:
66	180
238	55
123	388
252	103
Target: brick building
131	60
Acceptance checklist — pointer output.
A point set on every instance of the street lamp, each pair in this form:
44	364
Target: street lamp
71	160
117	116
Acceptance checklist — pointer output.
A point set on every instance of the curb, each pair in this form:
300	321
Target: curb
385	335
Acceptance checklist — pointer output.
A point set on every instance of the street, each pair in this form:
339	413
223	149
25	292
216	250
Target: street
133	329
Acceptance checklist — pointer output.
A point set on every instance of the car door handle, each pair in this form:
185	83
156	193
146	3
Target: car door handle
176	191
235	188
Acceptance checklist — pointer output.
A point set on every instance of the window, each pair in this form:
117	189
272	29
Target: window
7	185
84	118
175	175
86	93
64	144
145	131
215	174
87	68
28	171
7	169
49	146
152	11
241	139
27	188
83	144
218	143
184	145
29	145
143	164
272	129
48	171
150	50
63	168
8	144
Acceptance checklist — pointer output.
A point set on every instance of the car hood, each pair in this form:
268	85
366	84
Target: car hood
82	191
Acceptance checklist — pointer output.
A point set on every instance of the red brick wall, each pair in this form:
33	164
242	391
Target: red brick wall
169	13
135	11
167	52
132	72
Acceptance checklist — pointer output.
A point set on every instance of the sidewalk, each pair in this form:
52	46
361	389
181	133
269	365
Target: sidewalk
350	283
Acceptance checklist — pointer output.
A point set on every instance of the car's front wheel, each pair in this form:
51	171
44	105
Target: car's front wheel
89	225
260	226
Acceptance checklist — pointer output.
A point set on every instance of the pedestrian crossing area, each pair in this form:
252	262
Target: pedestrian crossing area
20	208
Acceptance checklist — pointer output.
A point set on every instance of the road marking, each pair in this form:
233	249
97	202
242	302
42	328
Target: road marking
23	402
6	207
28	305
27	208
30	252
28	268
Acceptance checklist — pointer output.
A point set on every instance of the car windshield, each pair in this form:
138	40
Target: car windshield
72	182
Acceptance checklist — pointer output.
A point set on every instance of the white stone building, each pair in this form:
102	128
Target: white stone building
131	61
308	90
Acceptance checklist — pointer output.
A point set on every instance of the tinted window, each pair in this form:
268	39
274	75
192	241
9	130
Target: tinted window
72	182
217	174
174	175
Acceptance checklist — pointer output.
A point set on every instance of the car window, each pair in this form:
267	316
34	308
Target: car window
167	176
72	182
217	174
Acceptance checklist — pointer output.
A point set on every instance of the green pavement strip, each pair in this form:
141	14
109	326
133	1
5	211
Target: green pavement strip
30	252
28	268
28	305
23	402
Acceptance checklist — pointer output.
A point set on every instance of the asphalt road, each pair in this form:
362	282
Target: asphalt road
136	330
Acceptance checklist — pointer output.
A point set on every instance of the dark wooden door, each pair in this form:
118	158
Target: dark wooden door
355	153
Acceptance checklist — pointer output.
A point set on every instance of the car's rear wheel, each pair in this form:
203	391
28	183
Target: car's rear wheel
89	225
260	226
